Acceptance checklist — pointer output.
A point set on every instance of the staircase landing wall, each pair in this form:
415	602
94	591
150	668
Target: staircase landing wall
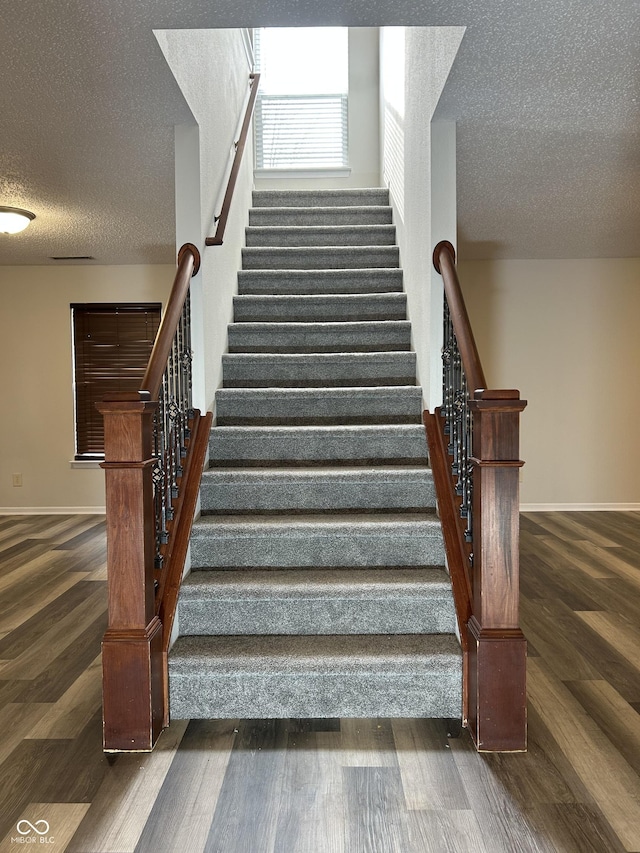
414	66
212	70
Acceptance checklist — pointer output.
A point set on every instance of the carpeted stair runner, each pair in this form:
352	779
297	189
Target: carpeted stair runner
317	586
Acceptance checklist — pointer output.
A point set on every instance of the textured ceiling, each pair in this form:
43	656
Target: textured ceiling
546	96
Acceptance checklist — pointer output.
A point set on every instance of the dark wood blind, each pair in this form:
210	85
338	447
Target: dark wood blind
111	344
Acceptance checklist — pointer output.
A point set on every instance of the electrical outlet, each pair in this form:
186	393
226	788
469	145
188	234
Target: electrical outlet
16	479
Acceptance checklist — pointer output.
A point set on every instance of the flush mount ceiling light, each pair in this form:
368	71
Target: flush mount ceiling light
13	219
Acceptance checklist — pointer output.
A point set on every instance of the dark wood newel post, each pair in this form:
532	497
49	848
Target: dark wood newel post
132	644
497	647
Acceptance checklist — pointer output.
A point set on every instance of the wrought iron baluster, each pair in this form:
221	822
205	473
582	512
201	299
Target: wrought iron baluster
458	422
171	430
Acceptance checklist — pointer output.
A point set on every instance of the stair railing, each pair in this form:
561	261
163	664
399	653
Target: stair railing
220	220
155	444
474	444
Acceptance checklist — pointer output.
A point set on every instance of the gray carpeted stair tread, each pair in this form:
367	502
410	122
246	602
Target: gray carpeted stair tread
318	257
333	215
330	601
308	490
257	370
346	336
320	235
357	539
350	405
292	282
321	198
320	308
316	676
362	444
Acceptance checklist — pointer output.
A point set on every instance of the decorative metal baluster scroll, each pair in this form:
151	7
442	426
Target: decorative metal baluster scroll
171	429
458	423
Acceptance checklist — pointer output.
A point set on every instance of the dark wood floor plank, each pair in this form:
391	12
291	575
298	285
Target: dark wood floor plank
620	596
246	817
311	807
20	553
25	637
94	533
565	526
125	798
377	820
618	527
62	632
539	621
183	810
573	827
51	771
453	831
367	743
616	718
58	677
433	784
545	577
603	771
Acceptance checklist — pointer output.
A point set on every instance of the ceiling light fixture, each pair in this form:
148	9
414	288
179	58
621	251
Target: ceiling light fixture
14	220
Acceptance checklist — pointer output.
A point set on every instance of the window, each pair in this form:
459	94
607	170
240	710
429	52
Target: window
301	111
111	349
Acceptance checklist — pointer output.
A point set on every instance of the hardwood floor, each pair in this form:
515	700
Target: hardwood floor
325	786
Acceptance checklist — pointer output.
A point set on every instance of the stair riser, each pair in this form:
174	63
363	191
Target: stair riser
310	216
222	492
244	407
335	257
308	236
319	309
320	337
309	282
315	547
240	371
332	198
297	445
320	696
425	615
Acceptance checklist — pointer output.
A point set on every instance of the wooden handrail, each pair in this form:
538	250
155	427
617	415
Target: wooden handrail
474	452
188	266
221	218
444	257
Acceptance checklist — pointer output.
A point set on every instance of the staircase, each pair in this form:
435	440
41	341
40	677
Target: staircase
317	586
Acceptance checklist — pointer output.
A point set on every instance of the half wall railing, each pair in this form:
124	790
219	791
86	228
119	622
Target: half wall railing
155	443
474	446
155	447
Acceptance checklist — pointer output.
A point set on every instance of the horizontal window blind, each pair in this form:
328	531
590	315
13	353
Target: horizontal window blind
301	118
301	131
111	346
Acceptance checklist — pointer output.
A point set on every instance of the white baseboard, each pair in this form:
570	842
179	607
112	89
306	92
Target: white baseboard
580	507
52	510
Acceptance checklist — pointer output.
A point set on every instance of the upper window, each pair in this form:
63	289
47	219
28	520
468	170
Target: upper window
111	347
301	112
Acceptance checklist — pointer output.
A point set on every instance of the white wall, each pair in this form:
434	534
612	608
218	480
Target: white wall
415	63
37	427
211	68
363	106
565	333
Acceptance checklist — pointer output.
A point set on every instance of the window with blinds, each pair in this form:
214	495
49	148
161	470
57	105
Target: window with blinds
111	348
301	119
